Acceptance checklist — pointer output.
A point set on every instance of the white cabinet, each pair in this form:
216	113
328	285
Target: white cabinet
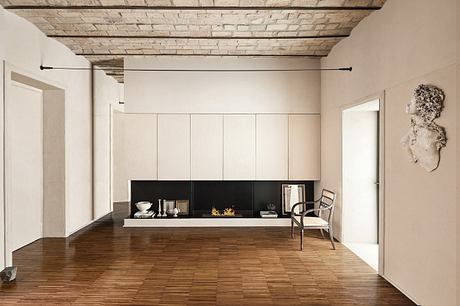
239	147
272	147
173	147
304	147
207	147
140	146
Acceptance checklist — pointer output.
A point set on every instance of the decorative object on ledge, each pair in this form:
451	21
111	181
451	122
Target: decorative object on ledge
183	207
144	215
169	207
175	212
270	212
425	138
143	206
9	274
159	208
292	194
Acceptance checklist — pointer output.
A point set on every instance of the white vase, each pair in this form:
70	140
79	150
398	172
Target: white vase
175	211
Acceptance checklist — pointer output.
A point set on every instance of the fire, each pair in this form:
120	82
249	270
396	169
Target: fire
228	212
215	212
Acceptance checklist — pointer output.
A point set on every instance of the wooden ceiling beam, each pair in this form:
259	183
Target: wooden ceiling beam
192	8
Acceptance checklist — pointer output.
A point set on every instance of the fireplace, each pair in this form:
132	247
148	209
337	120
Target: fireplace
222	195
245	198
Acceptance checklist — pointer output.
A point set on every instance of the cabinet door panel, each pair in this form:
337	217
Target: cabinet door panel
304	147
272	147
207	147
173	147
239	147
140	146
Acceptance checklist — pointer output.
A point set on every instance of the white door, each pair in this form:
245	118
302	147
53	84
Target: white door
24	170
272	147
207	147
239	147
360	151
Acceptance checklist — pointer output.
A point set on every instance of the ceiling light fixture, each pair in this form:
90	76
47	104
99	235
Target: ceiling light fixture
192	70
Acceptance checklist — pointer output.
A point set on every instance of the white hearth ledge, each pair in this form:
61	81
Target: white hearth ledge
208	222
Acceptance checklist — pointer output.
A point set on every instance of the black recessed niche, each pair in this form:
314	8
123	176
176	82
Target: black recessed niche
248	198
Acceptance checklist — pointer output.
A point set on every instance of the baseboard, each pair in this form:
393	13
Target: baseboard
88	224
402	291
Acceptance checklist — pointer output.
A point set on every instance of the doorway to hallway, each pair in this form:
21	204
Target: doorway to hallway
360	180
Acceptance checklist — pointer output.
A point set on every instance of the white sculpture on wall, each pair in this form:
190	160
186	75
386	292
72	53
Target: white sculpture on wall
425	139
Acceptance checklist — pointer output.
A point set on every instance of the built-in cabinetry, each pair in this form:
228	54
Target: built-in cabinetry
272	147
222	147
140	146
173	147
304	147
239	147
207	147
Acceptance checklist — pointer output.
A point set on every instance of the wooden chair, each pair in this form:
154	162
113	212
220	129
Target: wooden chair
326	204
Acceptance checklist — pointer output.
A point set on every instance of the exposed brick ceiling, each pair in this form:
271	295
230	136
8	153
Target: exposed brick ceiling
105	31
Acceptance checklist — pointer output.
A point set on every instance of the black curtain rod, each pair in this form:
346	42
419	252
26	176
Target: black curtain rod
191	70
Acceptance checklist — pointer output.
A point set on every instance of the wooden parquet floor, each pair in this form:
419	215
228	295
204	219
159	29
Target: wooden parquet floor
106	264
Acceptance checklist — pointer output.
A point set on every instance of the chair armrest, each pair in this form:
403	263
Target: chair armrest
295	205
303	214
301	203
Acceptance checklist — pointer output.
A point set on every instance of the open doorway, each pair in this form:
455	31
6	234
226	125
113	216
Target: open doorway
34	173
360	180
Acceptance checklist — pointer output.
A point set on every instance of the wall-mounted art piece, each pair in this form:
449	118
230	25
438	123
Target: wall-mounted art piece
425	138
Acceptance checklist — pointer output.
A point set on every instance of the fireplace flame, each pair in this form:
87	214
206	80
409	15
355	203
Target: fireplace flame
215	212
228	212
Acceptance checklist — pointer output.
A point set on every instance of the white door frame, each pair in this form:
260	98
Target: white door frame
381	220
8	70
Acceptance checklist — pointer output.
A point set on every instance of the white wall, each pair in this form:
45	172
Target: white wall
106	96
24	48
222	92
393	50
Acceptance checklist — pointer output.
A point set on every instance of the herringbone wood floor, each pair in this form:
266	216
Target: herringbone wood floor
107	264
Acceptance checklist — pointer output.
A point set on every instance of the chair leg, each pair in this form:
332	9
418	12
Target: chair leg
322	233
292	229
331	236
301	238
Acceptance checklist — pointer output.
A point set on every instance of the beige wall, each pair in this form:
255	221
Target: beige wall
392	51
54	163
458	151
120	190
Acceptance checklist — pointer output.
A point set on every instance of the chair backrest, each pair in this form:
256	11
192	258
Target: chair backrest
327	201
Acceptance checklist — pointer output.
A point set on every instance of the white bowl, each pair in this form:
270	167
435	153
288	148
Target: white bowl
143	206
